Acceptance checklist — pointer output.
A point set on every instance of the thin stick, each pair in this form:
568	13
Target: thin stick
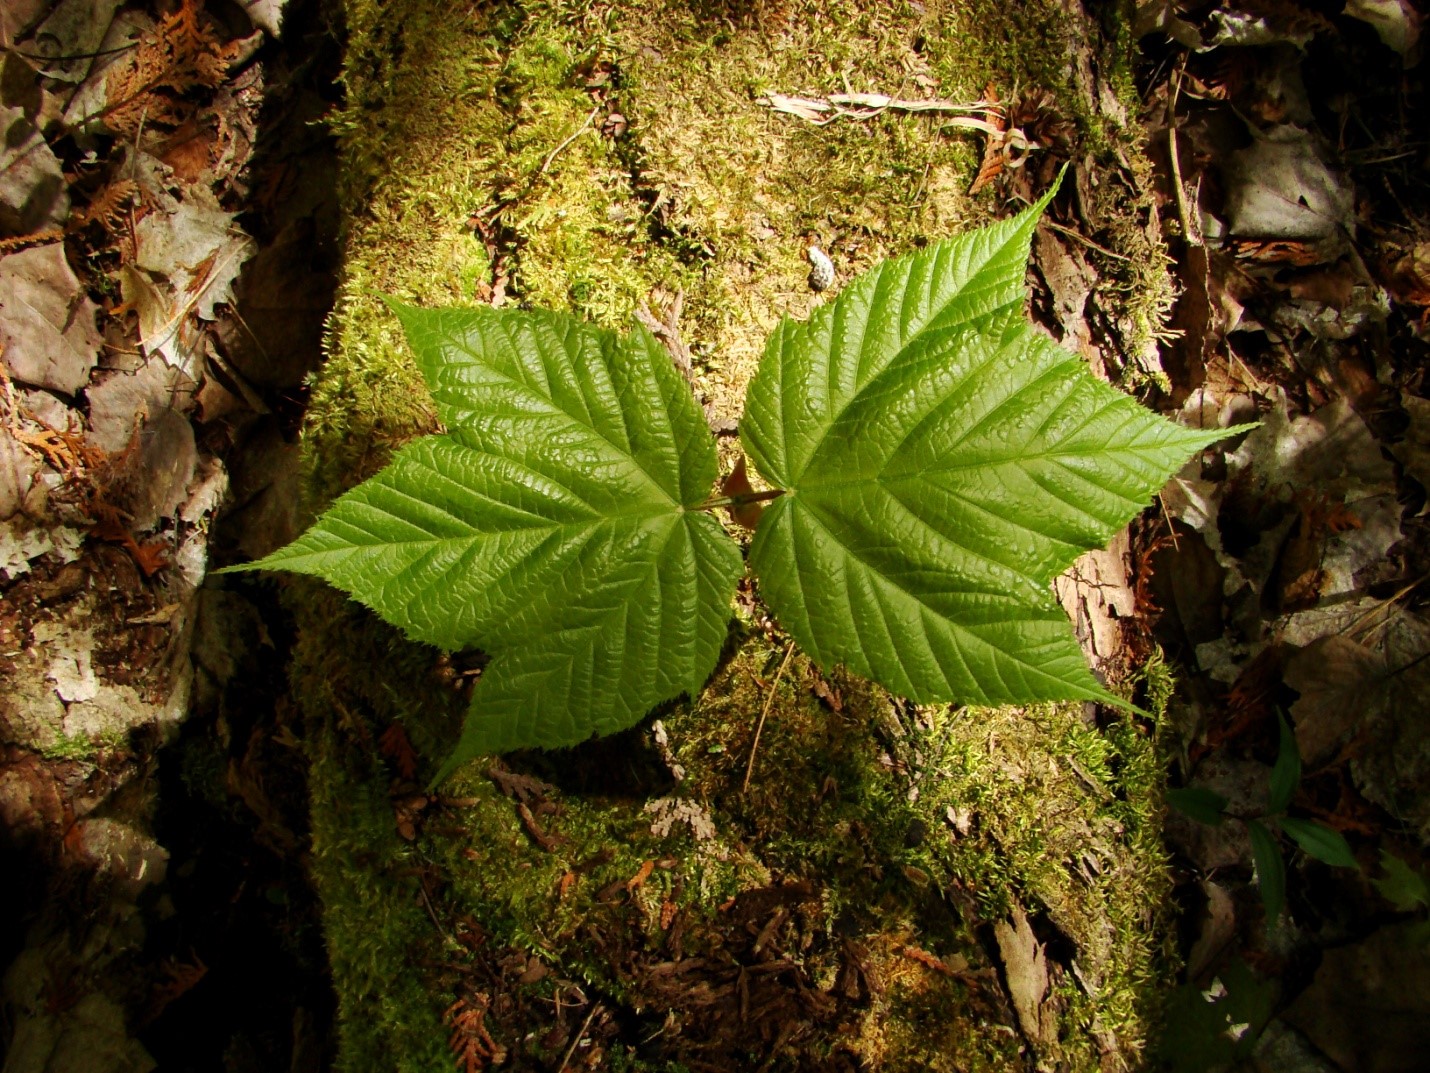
575	1040
422	890
769	700
741	500
576	134
862	106
668	332
1084	240
1171	529
1190	236
1361	628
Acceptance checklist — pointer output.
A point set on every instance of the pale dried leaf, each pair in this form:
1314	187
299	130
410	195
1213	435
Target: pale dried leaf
122	403
1340	683
20	474
47	321
1280	187
1153	15
1413	452
267	15
20	545
17	16
1251	28
1396	22
33	192
1392	768
1368	1006
73	35
185	263
1332	453
157	479
1218	929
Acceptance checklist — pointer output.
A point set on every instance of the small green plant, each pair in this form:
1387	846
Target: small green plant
932	463
1408	891
1315	839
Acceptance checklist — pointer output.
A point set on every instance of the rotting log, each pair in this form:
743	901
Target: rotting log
632	899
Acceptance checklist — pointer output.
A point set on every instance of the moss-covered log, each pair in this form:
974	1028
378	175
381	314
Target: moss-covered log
859	904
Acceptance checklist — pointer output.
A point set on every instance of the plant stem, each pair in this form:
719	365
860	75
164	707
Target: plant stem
741	500
765	711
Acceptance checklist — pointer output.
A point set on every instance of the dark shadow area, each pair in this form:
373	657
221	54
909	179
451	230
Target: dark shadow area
241	981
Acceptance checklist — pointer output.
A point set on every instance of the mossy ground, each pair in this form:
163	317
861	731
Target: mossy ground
875	843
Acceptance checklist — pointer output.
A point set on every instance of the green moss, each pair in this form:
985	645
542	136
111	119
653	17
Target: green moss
473	162
368	878
82	746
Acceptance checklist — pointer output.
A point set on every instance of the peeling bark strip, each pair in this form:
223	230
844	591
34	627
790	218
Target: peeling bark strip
1026	972
868	105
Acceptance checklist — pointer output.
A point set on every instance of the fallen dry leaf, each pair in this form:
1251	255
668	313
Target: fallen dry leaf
1340	682
1333	452
1217	930
47	328
738	484
185	264
120	403
1413	452
1368	1006
33	191
1396	22
1280	188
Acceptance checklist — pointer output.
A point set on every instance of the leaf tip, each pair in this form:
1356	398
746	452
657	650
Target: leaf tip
459	756
402	310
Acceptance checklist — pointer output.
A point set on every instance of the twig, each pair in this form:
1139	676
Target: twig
1167	517
765	711
1361	627
668	332
1085	240
1191	236
576	134
540	837
861	106
576	1039
426	901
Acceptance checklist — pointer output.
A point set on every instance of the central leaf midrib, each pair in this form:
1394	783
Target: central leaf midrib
599	622
878	370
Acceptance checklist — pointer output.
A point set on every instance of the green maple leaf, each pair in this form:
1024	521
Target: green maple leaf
551	526
942	464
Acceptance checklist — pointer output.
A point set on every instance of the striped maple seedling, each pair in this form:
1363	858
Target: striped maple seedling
933	463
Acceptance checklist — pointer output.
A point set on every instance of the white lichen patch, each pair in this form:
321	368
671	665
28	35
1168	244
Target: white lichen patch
670	811
71	661
59	700
20	546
